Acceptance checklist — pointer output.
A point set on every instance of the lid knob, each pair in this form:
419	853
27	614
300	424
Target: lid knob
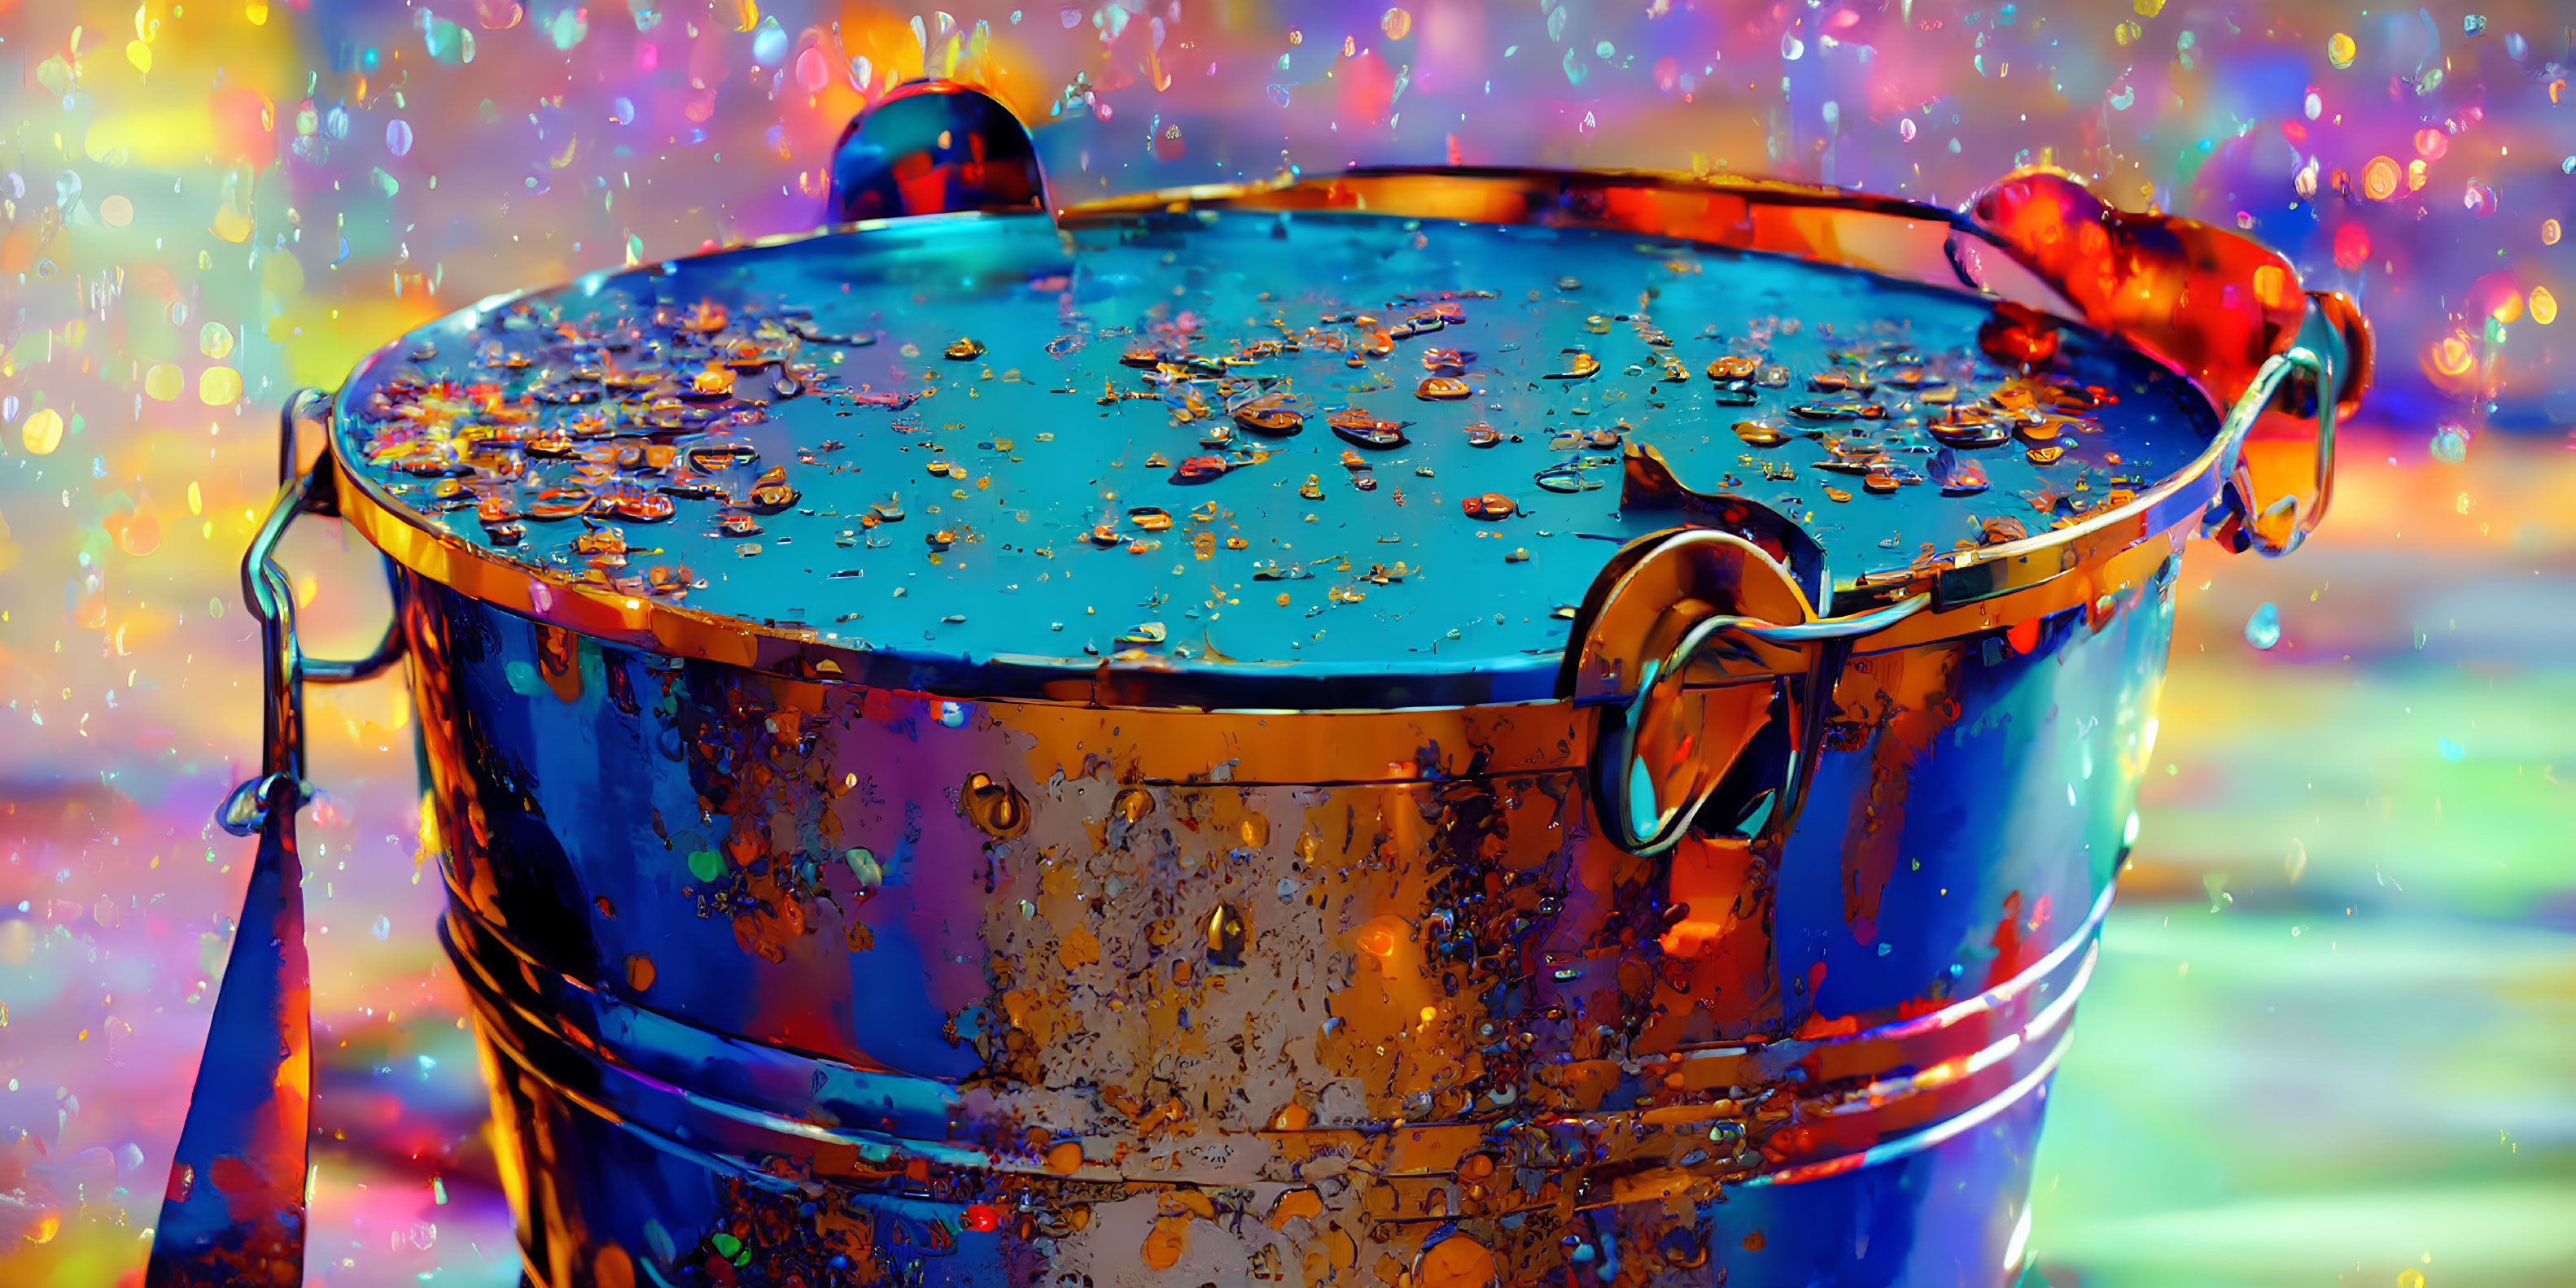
933	147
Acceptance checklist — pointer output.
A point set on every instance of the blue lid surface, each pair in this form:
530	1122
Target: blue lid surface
1231	441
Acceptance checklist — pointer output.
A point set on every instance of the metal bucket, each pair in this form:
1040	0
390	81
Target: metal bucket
1732	942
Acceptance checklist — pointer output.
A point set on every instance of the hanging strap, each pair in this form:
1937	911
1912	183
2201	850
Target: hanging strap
233	1215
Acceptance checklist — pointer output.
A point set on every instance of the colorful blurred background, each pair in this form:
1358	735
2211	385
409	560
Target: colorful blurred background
2330	1041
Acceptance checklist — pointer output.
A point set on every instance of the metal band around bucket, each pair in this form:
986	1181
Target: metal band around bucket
632	1064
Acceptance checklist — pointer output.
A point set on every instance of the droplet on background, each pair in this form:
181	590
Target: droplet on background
2449	750
1905	129
219	386
383	929
1295	37
43	431
623	110
2379	178
2263	629
215	340
2450	445
163	381
2340	51
2544	306
1396	23
2548	231
398	137
1792	48
770	46
116	212
812	71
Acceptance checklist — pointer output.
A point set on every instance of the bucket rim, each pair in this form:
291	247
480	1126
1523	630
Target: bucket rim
2102	554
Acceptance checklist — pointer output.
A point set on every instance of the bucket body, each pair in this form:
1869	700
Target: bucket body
787	980
1721	923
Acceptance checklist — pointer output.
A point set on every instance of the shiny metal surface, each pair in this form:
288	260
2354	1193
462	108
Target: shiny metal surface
1728	933
923	963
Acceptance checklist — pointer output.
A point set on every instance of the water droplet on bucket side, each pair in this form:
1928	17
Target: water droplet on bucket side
1225	936
997	809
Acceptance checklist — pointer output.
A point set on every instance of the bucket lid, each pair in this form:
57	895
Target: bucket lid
1257	456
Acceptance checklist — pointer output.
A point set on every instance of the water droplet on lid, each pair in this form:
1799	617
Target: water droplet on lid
2263	628
1566	477
1905	129
383	929
555	503
770	493
1577	364
1792	48
1361	429
641	507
